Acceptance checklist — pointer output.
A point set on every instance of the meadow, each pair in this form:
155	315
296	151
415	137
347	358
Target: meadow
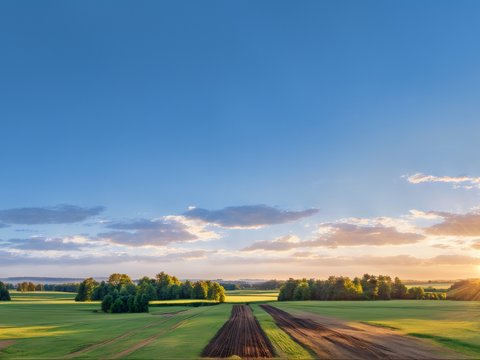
52	325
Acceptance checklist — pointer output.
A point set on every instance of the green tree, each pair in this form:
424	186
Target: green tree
117	280
117	306
416	293
4	293
399	290
85	290
200	290
107	303
302	291
216	292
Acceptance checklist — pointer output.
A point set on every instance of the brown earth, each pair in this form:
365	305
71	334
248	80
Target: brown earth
242	336
330	338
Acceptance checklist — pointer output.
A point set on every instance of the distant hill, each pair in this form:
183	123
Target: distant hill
44	280
465	290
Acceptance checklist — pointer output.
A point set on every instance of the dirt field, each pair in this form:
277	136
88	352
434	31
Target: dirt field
241	335
335	339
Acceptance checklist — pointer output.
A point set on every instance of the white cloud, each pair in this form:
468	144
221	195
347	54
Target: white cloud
459	182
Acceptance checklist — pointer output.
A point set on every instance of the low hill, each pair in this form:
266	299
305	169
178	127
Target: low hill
465	290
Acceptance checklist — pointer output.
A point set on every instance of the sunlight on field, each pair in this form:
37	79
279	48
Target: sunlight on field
31	331
243	296
439	286
455	324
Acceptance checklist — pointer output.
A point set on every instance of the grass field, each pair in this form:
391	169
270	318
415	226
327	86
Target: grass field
439	286
49	325
455	324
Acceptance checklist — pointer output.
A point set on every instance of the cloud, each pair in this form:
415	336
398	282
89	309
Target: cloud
464	182
475	245
343	234
353	235
9	258
3	225
60	214
249	216
456	224
43	244
280	244
157	232
310	259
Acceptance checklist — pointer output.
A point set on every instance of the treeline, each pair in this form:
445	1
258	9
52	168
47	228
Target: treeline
121	294
368	287
29	287
4	293
242	285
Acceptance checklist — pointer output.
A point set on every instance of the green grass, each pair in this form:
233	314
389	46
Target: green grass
455	324
439	286
49	325
285	347
250	296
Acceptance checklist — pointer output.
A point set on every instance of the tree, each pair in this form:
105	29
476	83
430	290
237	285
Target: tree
287	289
100	291
399	291
117	306
384	287
117	280
4	293
107	303
416	292
302	291
216	292
186	290
85	290
200	290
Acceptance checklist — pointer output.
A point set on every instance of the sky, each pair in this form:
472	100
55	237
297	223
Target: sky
240	139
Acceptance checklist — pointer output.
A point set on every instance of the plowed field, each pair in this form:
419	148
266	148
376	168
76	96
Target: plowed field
241	335
334	339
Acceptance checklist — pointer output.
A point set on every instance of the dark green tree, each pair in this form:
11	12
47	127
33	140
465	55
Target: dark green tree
4	293
107	303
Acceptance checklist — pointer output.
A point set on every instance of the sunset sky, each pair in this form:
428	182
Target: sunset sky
240	139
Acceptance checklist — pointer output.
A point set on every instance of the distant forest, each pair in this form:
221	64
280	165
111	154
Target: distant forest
368	287
121	294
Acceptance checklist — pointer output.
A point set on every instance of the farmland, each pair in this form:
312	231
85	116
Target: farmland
52	325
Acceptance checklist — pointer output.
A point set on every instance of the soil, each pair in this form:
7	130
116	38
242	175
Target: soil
242	336
330	338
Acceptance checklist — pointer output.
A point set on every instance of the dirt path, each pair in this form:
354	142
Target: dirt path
241	335
6	343
334	339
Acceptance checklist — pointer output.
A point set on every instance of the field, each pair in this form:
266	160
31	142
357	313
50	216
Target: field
52	325
453	324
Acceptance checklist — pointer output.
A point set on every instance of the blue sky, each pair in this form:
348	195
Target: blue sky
117	115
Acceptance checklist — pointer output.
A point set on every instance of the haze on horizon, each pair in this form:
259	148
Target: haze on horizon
240	139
